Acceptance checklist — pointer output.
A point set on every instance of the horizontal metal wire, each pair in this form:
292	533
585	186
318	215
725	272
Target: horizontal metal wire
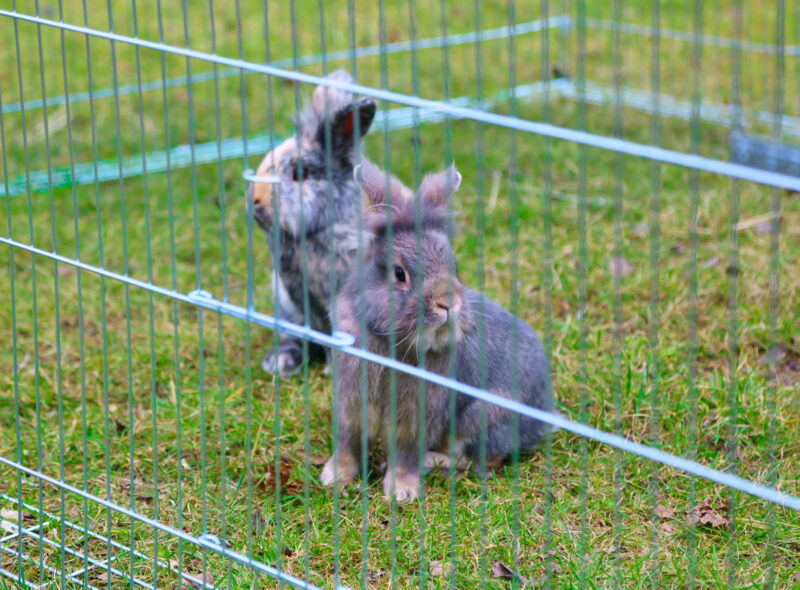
631	148
563	21
197	297
665	105
397	118
185	155
116	544
203	542
713	40
339	341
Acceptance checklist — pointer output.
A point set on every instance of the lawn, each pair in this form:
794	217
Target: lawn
164	409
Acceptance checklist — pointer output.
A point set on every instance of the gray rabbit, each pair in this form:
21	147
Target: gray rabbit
504	344
317	194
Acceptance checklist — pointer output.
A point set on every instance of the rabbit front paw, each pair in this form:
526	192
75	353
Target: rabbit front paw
403	485
285	359
345	470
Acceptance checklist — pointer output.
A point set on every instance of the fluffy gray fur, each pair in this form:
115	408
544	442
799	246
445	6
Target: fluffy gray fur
493	349
317	199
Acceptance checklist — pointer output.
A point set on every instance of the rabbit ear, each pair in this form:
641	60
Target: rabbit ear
343	127
326	100
375	181
436	189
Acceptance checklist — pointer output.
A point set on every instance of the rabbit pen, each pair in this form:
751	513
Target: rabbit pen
629	181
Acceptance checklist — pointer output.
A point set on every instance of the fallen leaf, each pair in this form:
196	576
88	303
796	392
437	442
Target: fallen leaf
438	569
620	267
704	514
74	513
185	464
502	571
662	511
774	355
288	484
713	261
667	528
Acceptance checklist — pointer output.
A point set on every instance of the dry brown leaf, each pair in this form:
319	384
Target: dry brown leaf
620	267
502	571
288	484
662	511
704	514
438	569
667	528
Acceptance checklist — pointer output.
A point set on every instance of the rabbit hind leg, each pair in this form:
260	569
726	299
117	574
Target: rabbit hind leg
287	357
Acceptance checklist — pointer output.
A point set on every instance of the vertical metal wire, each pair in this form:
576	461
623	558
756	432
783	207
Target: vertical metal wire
276	246
771	401
78	273
34	297
452	444
104	318
619	194
480	185
549	541
306	297
391	452
583	257
126	269
694	187
653	320
57	306
418	280
200	314
13	310
198	283
731	308
150	301
363	384
516	490
174	283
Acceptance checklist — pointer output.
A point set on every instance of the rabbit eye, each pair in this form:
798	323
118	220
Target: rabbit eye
399	274
299	173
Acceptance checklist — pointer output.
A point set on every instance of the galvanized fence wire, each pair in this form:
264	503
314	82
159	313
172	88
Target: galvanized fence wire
445	110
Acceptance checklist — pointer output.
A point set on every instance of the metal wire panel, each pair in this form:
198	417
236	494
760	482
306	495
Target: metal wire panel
141	443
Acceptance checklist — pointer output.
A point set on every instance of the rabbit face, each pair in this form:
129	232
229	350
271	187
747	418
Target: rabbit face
422	285
306	183
314	167
412	286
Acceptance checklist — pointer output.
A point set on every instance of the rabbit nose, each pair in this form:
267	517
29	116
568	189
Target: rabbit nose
449	305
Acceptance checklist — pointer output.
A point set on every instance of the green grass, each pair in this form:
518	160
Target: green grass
150	391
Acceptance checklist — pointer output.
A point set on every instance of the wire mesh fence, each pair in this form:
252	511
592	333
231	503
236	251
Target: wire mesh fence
628	188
